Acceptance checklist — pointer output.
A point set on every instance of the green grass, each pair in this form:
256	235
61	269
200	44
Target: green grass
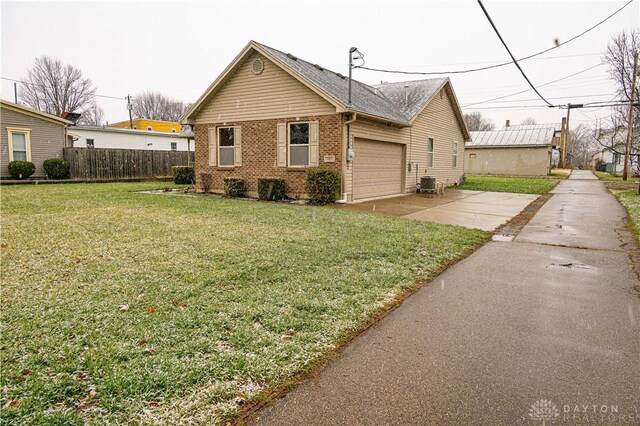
517	184
631	201
121	307
608	177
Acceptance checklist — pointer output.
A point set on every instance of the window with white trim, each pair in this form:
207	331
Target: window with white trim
174	146
298	144
226	144
430	152
19	144
90	143
454	154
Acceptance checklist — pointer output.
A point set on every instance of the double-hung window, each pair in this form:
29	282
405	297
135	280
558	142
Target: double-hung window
430	152
90	143
226	143
174	146
19	144
454	154
298	144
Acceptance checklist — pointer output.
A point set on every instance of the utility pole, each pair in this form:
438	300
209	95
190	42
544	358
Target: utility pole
567	135
625	170
563	143
129	107
351	51
15	93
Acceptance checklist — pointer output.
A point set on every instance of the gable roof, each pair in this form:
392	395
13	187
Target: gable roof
34	113
539	136
384	101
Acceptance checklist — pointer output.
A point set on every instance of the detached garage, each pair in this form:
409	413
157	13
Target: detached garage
377	169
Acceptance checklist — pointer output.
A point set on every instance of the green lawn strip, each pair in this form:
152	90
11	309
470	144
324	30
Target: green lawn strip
516	184
608	177
631	201
123	307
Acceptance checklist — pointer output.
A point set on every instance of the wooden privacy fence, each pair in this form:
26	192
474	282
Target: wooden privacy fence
111	163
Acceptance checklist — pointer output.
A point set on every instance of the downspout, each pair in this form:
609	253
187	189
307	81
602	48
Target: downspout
349	156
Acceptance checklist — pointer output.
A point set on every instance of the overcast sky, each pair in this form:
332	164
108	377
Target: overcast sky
179	48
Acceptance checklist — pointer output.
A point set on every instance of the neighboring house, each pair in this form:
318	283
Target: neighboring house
150	125
29	135
272	114
613	160
109	137
523	150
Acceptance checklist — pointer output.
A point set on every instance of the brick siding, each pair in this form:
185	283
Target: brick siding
259	148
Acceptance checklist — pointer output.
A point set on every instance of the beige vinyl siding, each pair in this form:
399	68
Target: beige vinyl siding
47	139
437	121
517	161
272	94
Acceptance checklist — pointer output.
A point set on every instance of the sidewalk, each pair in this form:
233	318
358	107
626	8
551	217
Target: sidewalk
552	316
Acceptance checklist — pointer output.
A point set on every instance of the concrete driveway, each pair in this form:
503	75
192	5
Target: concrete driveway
472	209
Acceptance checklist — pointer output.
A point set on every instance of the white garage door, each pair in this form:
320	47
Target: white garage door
377	169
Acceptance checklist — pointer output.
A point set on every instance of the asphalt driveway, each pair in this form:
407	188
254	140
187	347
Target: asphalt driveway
544	328
472	209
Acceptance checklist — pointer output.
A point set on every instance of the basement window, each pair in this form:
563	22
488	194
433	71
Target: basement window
298	144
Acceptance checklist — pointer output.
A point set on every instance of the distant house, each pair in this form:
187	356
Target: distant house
611	157
149	125
522	150
29	135
271	113
111	137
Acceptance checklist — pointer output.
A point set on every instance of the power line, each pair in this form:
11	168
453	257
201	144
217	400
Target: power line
528	90
557	97
503	63
515	61
27	84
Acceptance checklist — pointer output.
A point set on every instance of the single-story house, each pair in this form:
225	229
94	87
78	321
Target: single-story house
112	137
613	160
271	113
29	135
523	150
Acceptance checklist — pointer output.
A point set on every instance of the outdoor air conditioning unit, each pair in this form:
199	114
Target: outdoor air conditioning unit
427	184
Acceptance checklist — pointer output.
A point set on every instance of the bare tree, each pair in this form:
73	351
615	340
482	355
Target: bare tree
582	145
92	116
156	106
476	122
54	88
611	133
529	121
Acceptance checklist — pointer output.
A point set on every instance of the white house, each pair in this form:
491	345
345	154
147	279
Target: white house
111	137
614	161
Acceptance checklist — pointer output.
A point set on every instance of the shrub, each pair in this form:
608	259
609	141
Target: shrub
322	185
234	187
56	168
21	169
183	175
206	180
271	189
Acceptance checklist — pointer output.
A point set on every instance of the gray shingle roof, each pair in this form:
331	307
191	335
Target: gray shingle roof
410	96
364	99
512	137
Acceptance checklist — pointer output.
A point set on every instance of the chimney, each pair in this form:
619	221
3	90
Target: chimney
406	95
507	123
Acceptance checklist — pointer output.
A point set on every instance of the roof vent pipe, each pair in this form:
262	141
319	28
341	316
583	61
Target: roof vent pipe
406	95
507	123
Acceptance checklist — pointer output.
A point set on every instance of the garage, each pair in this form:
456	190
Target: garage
377	169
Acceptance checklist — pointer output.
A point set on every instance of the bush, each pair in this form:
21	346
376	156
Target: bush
183	175
271	189
56	168
206	180
21	169
322	185
234	187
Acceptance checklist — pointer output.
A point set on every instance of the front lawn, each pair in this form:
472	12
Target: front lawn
122	307
608	177
631	201
517	184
